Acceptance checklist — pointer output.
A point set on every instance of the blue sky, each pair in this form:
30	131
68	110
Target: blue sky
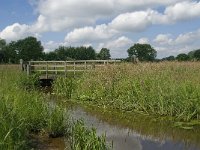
170	26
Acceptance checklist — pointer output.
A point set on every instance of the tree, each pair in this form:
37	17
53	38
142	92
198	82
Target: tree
29	48
182	57
61	53
104	54
11	53
144	52
169	58
50	56
2	50
77	53
191	54
197	54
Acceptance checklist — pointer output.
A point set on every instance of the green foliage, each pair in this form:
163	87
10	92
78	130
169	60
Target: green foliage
85	139
51	56
170	58
30	82
197	54
156	89
29	48
58	122
23	112
10	55
104	54
182	57
2	50
77	53
26	49
64	87
144	52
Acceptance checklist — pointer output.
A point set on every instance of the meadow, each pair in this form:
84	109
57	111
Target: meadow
158	89
24	111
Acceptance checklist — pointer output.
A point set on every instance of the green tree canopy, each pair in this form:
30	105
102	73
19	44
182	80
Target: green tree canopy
2	50
77	53
50	56
169	58
144	52
29	48
104	54
197	54
182	57
10	53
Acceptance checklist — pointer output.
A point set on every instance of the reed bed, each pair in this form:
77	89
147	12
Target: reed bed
25	111
21	112
83	138
161	89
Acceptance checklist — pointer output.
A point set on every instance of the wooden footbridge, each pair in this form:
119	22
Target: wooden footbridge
53	69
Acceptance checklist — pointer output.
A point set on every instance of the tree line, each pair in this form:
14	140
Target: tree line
191	56
31	49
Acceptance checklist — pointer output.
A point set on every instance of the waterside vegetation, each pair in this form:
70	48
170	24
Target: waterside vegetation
25	111
160	89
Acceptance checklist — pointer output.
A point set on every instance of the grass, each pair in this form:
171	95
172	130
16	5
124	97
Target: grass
161	89
24	111
85	139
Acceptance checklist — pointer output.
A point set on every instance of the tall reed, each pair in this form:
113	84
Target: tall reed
164	89
84	139
24	111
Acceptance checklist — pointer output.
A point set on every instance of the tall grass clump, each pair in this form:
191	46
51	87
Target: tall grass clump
64	87
164	89
58	124
23	112
84	139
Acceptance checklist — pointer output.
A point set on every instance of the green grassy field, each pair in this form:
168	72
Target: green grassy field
161	89
25	110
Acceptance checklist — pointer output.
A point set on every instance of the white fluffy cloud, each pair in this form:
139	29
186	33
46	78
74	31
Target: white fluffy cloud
188	38
90	34
118	47
182	39
106	23
65	15
16	31
143	41
163	39
183	43
134	22
183	11
130	4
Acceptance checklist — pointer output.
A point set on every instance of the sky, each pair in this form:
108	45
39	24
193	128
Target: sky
170	26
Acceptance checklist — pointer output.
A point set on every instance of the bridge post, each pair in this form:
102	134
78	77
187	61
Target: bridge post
29	68
85	65
74	68
65	63
22	64
46	70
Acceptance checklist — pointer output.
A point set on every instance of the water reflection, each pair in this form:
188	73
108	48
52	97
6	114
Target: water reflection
129	132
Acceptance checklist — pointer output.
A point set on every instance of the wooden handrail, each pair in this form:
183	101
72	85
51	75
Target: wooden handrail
48	67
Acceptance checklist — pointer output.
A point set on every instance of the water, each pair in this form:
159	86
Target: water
128	131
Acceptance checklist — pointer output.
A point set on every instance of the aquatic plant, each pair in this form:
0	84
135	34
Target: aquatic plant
24	111
64	86
163	89
83	139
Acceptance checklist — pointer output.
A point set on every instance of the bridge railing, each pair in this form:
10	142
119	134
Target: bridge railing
55	68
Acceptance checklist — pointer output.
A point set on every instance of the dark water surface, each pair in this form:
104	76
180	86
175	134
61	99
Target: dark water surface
128	131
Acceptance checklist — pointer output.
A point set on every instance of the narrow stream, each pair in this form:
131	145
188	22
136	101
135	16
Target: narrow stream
137	132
